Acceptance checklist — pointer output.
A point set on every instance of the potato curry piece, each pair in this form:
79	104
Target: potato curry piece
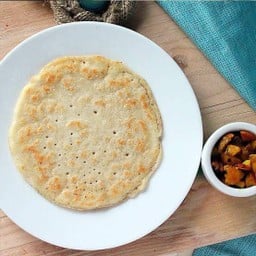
233	159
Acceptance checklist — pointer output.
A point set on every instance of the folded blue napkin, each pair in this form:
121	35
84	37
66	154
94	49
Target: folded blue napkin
225	32
245	246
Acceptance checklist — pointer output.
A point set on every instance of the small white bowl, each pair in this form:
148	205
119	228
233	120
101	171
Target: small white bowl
206	160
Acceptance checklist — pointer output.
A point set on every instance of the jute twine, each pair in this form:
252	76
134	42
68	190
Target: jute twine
69	10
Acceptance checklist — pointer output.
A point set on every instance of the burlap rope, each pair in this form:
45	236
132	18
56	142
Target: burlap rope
69	10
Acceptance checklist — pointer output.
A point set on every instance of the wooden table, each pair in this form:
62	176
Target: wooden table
206	216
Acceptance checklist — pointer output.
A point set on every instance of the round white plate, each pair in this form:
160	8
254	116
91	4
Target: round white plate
182	139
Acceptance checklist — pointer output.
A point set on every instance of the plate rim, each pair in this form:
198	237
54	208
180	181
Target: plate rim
188	87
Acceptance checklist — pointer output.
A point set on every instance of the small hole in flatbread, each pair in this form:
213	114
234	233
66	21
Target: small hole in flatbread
59	165
78	114
46	136
44	147
114	173
84	162
90	183
59	154
96	181
56	120
67	173
99	172
93	153
127	154
70	105
94	169
76	157
83	62
55	144
114	132
71	133
40	162
95	112
105	151
71	144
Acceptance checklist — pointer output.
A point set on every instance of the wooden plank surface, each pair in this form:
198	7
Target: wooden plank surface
206	216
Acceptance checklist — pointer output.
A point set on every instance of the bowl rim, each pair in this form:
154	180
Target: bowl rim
206	159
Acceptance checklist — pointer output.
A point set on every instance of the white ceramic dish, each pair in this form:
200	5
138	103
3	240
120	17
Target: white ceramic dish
181	118
206	160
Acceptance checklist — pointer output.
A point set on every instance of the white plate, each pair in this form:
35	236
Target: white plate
182	140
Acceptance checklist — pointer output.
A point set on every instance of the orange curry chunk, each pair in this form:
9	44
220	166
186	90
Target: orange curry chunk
250	180
253	162
247	136
233	175
225	141
232	150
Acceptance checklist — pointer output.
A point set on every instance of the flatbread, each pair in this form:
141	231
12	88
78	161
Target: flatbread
86	132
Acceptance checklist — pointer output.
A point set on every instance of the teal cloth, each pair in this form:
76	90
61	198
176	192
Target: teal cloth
245	246
225	32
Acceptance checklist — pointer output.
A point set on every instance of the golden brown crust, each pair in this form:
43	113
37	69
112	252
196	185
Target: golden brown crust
86	132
